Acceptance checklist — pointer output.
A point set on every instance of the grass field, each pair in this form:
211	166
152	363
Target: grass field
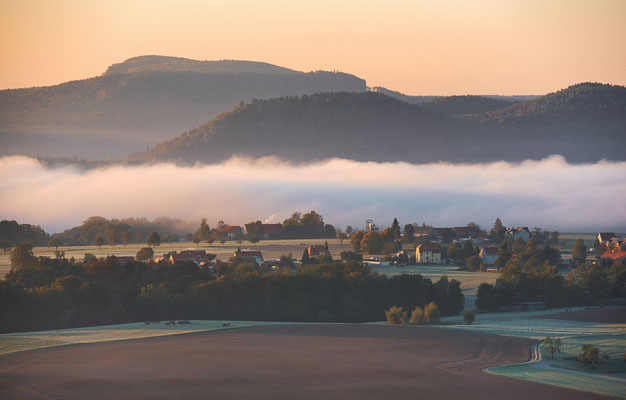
14	342
610	376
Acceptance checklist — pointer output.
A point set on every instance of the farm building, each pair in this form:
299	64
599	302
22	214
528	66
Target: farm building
428	253
197	256
318	250
264	231
249	255
467	232
231	232
605	237
489	254
124	259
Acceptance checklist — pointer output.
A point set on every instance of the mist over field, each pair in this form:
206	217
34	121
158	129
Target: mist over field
549	193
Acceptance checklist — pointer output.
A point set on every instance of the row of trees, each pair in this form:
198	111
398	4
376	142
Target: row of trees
50	293
586	284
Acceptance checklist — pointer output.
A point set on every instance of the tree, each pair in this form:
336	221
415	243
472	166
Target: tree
99	241
144	254
417	316
153	239
305	257
203	231
469	316
431	313
372	243
253	239
409	232
112	236
355	240
474	263
5	245
55	242
22	256
395	229
498	230
341	236
349	230
579	251
396	316
125	237
553	345
589	355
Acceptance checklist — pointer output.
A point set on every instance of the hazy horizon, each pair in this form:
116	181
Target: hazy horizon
549	193
417	48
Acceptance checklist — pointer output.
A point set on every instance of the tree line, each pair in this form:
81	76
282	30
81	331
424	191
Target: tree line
52	293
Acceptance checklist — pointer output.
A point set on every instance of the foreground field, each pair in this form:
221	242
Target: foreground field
587	326
340	361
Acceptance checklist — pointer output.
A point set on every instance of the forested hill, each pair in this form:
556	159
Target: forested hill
461	105
142	101
584	123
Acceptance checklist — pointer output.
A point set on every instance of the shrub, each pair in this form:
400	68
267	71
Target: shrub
396	316
469	316
144	254
431	313
417	316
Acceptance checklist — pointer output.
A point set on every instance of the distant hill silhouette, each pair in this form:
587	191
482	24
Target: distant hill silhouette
583	123
142	101
461	105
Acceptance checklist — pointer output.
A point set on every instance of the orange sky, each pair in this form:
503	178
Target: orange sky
416	47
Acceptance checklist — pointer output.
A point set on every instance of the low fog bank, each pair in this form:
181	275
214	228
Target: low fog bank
549	193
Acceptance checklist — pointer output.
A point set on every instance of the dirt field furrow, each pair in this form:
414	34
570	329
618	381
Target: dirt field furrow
340	361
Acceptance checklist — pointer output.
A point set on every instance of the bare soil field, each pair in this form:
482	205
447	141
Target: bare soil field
338	361
611	315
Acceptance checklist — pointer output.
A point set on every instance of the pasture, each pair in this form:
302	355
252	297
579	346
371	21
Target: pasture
608	378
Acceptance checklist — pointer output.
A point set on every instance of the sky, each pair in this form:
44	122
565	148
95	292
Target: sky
419	47
549	193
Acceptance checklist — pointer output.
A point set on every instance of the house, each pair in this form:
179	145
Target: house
230	232
264	231
421	231
489	254
445	235
428	253
467	232
249	256
521	232
605	237
197	256
614	255
317	250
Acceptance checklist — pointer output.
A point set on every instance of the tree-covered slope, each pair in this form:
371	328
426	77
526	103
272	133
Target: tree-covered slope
461	105
142	101
373	127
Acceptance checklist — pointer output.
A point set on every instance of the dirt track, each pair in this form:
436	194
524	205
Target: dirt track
280	362
610	315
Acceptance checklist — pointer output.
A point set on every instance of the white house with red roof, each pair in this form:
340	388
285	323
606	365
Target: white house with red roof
428	253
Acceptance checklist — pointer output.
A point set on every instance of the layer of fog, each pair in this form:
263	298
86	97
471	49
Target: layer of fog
549	193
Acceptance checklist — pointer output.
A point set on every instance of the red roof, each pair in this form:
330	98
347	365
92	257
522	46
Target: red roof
614	255
432	247
230	229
